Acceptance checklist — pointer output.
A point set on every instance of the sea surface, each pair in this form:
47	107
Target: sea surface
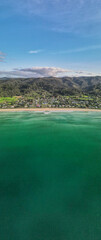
50	176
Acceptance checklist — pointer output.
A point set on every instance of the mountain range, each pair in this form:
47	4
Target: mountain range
50	85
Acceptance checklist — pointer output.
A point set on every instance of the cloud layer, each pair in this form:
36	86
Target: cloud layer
43	72
57	7
64	15
35	72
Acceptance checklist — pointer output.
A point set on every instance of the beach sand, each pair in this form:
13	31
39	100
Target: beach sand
50	110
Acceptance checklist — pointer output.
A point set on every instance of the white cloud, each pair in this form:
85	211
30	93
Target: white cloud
35	51
43	72
35	72
2	56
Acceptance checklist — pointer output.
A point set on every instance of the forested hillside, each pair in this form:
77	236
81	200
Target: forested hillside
53	86
81	92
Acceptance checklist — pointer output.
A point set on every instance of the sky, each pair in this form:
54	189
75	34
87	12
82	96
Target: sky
41	38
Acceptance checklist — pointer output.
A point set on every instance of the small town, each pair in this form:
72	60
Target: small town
82	101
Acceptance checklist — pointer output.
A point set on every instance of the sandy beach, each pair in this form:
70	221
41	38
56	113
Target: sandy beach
50	110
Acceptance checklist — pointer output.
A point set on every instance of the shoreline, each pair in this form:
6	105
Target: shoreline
49	110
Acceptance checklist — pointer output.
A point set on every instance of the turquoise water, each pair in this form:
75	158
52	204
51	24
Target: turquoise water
50	176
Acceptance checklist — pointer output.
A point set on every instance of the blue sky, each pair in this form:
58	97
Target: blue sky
46	37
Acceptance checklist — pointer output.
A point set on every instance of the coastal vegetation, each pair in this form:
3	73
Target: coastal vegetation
80	92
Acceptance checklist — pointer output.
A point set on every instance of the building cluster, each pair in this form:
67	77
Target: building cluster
51	102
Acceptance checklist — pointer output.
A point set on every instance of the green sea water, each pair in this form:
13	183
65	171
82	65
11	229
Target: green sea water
50	176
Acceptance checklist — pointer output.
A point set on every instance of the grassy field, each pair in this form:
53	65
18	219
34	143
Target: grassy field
8	99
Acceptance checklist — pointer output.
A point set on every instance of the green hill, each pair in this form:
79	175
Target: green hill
53	86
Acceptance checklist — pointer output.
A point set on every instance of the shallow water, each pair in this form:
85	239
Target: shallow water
50	176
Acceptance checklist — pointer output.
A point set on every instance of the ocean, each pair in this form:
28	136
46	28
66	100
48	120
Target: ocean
50	176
